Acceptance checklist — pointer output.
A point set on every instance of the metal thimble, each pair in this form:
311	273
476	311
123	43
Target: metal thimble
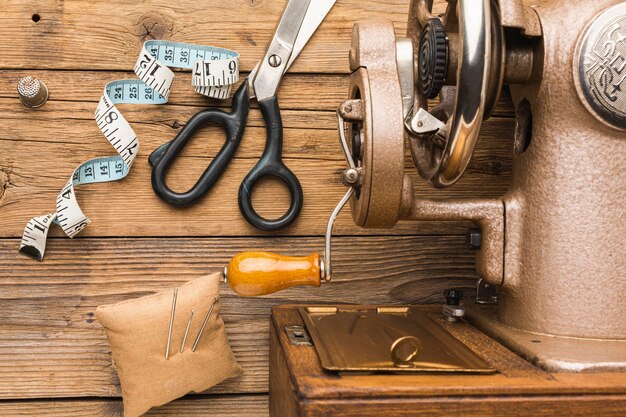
32	92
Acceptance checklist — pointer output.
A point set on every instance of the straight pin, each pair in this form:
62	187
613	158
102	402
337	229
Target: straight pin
169	334
206	319
182	347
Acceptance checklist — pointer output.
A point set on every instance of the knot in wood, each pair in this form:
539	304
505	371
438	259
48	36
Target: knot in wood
154	26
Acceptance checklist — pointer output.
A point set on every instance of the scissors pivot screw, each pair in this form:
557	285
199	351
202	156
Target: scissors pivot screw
274	60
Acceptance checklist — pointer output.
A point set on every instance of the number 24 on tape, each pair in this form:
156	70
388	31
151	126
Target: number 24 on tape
214	71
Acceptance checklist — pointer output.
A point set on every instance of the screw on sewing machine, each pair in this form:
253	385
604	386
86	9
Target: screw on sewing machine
32	92
452	309
350	176
433	51
474	238
486	293
297	335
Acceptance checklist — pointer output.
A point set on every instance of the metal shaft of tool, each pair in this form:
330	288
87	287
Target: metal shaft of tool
206	319
169	334
350	177
182	346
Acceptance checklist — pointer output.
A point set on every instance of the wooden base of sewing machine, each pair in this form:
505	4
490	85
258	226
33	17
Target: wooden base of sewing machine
300	387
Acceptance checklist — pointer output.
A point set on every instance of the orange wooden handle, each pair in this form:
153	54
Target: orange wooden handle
258	273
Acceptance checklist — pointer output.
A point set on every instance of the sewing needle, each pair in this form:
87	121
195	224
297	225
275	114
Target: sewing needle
182	347
169	335
206	319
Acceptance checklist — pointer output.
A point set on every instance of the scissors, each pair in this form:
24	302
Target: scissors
297	24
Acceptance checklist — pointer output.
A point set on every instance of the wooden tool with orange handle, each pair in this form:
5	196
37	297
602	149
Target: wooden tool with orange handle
259	273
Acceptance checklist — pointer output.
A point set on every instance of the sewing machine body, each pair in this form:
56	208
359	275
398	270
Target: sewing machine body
554	243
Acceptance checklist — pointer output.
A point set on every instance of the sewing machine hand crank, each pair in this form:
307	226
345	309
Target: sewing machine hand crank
259	273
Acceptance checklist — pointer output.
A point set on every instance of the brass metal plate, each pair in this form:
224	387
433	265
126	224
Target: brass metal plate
357	338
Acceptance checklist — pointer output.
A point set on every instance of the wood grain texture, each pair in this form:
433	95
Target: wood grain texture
81	33
296	91
537	406
37	160
49	143
55	347
284	401
200	406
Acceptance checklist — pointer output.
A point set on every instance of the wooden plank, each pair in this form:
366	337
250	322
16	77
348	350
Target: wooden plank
167	119
36	163
256	406
214	406
52	346
283	401
60	121
82	34
296	91
506	406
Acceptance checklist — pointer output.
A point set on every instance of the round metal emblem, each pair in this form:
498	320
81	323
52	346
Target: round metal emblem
601	66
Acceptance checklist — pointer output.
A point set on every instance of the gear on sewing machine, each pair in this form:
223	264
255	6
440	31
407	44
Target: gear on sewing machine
433	53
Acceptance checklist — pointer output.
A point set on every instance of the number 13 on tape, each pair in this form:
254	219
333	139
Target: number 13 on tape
214	71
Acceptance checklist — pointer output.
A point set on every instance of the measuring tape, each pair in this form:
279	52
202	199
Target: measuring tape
214	71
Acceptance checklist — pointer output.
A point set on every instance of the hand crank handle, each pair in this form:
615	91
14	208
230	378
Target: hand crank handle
258	273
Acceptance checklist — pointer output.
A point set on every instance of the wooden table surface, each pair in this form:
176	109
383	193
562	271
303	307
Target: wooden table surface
54	356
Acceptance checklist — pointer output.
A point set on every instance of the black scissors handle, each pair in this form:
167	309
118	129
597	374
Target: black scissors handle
234	123
271	165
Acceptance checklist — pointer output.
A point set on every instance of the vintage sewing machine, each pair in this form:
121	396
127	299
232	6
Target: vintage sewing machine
553	245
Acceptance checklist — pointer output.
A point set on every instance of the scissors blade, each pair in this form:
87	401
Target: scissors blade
315	14
298	23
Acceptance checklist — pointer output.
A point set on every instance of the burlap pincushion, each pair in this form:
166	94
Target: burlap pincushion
137	331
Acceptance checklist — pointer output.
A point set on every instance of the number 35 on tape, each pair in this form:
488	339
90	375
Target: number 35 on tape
214	71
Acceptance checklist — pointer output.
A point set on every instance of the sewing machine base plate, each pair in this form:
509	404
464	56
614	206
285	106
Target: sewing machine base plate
554	354
299	386
351	338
